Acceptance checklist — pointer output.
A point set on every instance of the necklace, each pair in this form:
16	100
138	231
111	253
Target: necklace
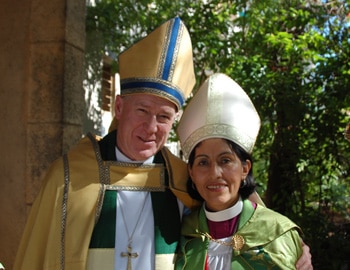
129	252
237	241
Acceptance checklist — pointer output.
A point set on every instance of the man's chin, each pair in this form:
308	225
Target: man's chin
147	153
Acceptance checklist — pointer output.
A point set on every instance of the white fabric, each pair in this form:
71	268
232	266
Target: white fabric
143	239
225	214
219	256
122	158
219	109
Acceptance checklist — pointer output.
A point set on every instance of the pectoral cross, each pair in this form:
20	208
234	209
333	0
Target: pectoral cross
130	255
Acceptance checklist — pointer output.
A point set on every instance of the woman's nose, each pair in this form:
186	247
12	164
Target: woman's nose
215	170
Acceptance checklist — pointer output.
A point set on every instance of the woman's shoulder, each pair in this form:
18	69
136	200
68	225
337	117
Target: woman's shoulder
265	219
264	214
265	226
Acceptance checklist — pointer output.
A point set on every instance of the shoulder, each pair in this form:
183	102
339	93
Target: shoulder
265	215
80	160
87	147
266	225
283	240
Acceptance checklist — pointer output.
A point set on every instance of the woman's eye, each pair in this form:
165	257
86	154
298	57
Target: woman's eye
225	160
202	163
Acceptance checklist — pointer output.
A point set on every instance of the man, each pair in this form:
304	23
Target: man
116	203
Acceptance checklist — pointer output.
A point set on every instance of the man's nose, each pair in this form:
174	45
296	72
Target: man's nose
150	124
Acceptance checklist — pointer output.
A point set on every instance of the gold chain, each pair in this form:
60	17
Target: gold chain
237	241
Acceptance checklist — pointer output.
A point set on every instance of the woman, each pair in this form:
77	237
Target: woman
217	132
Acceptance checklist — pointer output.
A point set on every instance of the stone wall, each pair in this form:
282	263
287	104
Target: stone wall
41	101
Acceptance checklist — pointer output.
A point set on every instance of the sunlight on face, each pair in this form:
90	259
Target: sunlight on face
217	173
144	123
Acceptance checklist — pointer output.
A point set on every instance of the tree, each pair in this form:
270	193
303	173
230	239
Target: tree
292	58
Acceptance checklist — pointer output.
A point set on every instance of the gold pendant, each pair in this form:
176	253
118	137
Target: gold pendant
237	242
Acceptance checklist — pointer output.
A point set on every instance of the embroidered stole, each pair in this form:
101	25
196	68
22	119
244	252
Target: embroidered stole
164	203
167	228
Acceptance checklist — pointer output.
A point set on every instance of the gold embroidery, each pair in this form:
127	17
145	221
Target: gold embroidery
237	241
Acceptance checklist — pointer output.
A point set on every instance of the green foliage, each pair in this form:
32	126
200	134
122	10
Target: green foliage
292	58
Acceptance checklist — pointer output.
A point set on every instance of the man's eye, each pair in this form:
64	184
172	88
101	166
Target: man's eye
163	118
141	110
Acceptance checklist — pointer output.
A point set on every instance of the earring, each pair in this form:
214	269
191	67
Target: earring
243	183
193	186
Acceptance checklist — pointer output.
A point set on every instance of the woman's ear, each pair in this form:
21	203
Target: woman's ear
190	171
247	165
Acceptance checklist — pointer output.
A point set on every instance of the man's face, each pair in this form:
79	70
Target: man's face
144	123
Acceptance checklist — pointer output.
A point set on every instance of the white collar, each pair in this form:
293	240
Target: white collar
123	158
226	214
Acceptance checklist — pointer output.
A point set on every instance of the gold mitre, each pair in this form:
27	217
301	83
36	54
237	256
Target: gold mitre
219	109
160	64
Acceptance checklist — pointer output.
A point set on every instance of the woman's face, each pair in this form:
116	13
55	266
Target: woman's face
217	173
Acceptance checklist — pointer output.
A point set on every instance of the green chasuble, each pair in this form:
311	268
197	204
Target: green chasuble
271	241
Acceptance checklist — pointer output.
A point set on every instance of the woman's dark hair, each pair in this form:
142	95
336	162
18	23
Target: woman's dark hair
245	191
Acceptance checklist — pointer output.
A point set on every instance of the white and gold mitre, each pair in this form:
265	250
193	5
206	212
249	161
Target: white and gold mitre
219	109
160	64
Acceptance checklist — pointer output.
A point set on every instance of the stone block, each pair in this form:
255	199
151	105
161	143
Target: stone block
48	20
73	96
75	23
44	145
46	79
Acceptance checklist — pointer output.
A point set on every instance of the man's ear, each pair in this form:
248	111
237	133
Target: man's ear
118	106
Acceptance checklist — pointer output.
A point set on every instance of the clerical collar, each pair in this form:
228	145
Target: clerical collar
123	158
226	214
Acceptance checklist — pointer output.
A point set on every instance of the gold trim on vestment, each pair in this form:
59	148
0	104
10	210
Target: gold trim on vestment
131	176
64	209
103	173
101	195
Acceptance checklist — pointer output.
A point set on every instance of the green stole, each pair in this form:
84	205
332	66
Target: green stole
165	210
